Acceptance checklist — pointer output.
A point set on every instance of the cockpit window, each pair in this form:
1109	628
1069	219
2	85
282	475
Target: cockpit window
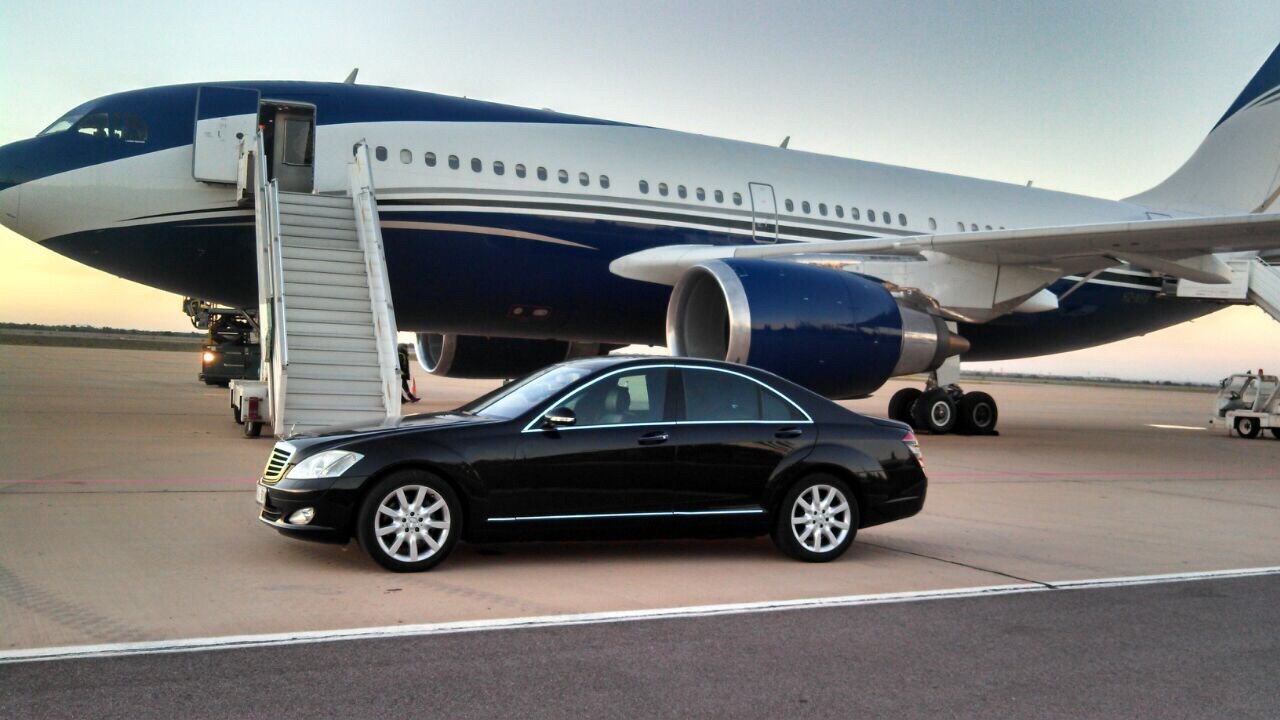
122	126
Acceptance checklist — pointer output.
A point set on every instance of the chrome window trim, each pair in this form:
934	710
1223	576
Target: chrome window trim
808	419
598	516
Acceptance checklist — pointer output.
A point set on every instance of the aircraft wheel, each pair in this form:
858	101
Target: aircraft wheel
900	405
1247	427
934	411
976	414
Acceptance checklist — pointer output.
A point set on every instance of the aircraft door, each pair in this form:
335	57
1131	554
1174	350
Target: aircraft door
288	133
224	115
764	213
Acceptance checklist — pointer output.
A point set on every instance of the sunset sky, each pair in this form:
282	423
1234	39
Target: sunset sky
1102	99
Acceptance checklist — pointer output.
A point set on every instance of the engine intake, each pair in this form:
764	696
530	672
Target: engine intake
838	333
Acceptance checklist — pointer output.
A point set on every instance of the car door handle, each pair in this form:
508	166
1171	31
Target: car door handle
788	432
654	438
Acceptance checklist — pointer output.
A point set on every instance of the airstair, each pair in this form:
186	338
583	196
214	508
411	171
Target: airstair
328	328
1264	286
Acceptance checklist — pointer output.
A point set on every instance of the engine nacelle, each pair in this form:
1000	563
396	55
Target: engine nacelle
837	333
475	356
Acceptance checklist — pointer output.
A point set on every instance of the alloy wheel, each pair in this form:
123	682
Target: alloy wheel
412	523
821	518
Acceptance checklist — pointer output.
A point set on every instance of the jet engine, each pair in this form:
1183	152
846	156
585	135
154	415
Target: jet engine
475	356
837	333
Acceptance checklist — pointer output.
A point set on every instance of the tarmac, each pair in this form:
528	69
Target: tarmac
127	514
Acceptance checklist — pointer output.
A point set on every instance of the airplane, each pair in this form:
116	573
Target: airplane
516	237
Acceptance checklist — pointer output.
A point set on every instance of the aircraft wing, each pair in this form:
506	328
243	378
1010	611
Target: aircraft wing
1180	247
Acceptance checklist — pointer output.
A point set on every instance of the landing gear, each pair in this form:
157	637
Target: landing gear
942	407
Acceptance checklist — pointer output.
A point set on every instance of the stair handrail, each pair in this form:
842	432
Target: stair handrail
369	232
270	283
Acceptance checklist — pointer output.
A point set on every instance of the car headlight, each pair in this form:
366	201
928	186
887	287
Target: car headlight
330	463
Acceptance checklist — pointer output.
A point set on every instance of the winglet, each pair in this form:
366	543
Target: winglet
351	77
785	140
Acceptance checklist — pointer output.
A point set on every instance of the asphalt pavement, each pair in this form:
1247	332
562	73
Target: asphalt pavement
1202	649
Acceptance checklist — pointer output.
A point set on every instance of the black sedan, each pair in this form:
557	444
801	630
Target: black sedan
609	447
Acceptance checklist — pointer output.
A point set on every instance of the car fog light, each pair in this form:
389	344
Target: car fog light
302	517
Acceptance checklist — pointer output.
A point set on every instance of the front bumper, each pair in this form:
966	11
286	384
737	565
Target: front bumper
334	510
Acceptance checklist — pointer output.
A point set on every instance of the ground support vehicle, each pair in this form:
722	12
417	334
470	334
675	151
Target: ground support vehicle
1249	404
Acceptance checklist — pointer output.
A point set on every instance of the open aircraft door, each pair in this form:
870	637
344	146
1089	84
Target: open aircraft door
224	115
764	213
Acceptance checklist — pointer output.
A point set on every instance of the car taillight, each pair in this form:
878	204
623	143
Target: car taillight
914	446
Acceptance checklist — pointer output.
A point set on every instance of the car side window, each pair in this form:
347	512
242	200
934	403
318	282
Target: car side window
714	396
637	396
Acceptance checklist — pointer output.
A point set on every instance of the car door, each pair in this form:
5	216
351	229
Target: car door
734	432
611	470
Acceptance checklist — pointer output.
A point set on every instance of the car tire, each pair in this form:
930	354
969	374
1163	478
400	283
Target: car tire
1247	427
409	521
934	411
795	528
900	404
976	414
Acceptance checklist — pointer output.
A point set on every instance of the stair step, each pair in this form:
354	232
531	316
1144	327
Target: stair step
352	254
330	330
344	267
322	278
346	316
313	386
331	358
326	401
289	198
318	211
306	421
299	241
317	371
302	231
327	297
317	221
308	341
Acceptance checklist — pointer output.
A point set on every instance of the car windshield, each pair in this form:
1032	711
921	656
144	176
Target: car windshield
517	398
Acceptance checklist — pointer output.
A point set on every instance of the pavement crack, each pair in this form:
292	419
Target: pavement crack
979	568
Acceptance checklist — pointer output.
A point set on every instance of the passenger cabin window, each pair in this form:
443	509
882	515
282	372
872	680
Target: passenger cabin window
563	176
719	196
380	152
839	211
637	396
933	224
644	187
604	181
584	179
791	207
960	226
902	219
700	193
406	156
737	198
973	227
542	173
476	165
853	214
887	220
499	168
822	208
716	396
520	171
682	191
431	159
871	215
662	189
453	162
805	207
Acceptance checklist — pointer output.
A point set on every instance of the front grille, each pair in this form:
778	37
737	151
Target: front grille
277	464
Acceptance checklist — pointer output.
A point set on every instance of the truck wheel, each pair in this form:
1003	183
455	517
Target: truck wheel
252	429
1275	433
977	414
1247	427
934	411
900	404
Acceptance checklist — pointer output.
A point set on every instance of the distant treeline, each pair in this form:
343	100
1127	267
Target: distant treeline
986	375
97	329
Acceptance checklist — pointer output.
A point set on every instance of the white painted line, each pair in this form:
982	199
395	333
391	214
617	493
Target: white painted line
1176	427
228	642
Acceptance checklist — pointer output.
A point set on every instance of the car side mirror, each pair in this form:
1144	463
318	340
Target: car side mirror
559	418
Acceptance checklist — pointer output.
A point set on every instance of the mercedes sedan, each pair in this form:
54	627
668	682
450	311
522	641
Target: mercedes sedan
610	447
